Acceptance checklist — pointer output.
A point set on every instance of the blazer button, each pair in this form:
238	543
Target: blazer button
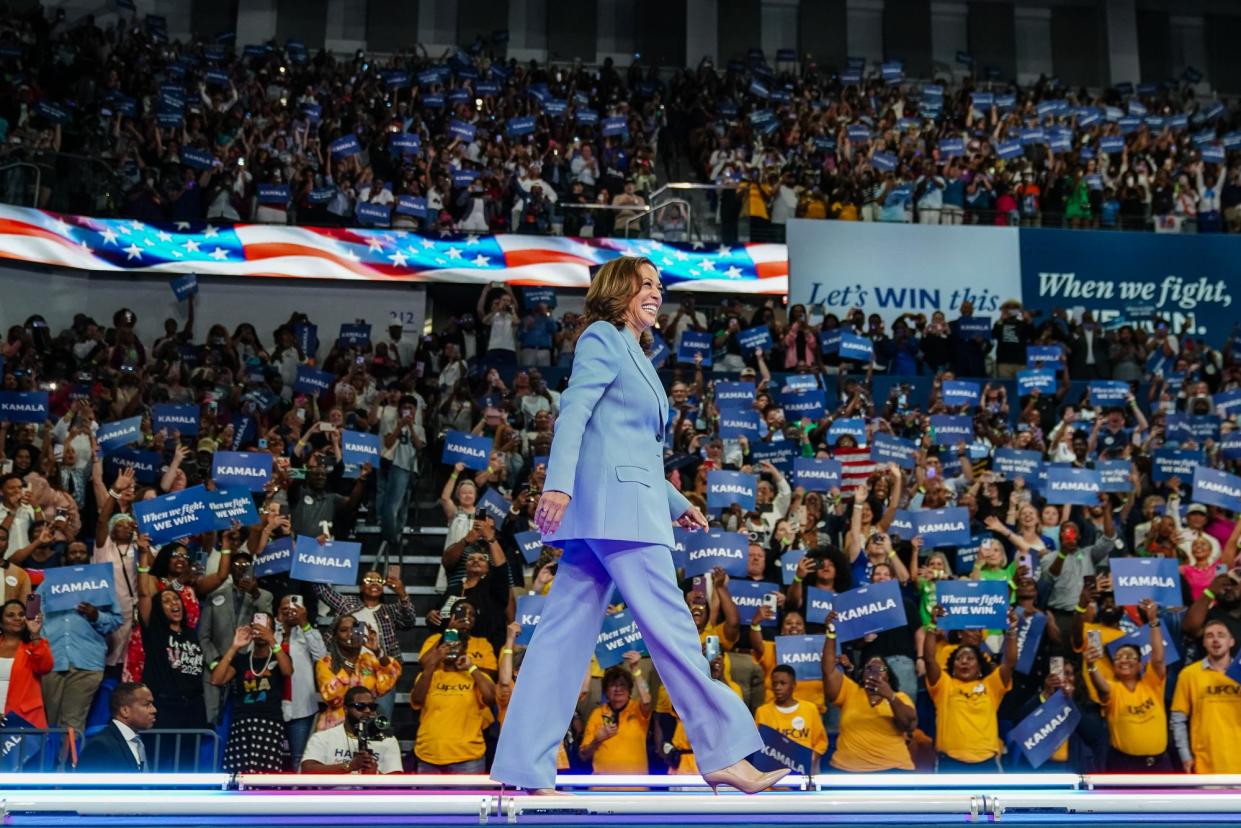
659	438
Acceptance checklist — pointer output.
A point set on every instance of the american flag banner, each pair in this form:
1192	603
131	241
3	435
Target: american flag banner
377	255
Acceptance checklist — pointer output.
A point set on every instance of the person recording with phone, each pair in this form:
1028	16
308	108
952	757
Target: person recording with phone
304	644
359	743
606	497
614	740
258	669
455	698
223	611
353	659
1086	748
487	583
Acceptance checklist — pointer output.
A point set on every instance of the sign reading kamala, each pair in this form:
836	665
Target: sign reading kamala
973	605
748	596
492	503
1168	463
619	635
470	450
176	515
23	406
695	343
335	562
869	609
816	475
529	611
1066	484
170	417
529	544
250	470
146	464
738	421
893	269
1156	578
704	551
788	565
724	488
1217	488
1115	276
948	430
961	392
1030	631
779	751
818	605
1039	735
804	653
64	587
358	447
728	392
111	436
276	557
312	381
943	527
1141	638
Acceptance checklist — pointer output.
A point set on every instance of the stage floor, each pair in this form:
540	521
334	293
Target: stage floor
916	800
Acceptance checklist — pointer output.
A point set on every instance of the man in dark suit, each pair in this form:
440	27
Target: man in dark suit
118	747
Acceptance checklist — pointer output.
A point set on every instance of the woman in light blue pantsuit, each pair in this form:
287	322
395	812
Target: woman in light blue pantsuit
606	498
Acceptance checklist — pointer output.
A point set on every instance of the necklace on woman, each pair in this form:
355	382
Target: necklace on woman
266	664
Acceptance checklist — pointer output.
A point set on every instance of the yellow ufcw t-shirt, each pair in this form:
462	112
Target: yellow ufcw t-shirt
477	648
1107	635
626	751
1213	703
965	716
869	739
453	720
803	724
1137	722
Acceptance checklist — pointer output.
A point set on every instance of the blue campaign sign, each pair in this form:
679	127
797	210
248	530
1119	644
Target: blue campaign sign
1108	393
890	449
728	392
788	565
815	474
275	559
1167	463
967	555
112	436
1039	735
724	488
494	504
529	611
619	635
64	587
232	503
183	287
312	381
904	525
273	194
357	334
800	382
404	144
1030	629
358	447
1059	267
781	454
249	470
344	146
516	127
704	551
1042	380
738	422
798	405
334	562
1227	403
471	450
756	338
748	596
1014	463
858	348
23	406
693	343
971	326
818	604
1156	578
1043	356
372	214
779	751
1141	638
1114	475
804	653
177	515
461	131
617	125
173	417
854	427
1230	445
960	392
146	464
529	544
869	609
1066	484
680	542
973	605
829	341
943	527
949	429
1217	488
532	297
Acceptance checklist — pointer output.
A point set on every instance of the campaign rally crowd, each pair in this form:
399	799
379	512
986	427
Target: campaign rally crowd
273	133
978	542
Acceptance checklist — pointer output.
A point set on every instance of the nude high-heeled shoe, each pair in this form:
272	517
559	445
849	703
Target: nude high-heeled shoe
744	777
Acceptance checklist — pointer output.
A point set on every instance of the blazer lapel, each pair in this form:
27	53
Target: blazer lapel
646	369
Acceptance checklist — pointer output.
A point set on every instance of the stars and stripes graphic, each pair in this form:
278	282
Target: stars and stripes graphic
380	255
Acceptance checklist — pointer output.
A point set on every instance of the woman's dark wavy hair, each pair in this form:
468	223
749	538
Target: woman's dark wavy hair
843	581
611	290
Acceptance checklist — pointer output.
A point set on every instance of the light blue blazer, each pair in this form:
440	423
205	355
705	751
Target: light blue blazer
608	449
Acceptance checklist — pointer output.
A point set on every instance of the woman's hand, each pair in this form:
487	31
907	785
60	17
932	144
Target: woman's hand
242	637
692	519
551	511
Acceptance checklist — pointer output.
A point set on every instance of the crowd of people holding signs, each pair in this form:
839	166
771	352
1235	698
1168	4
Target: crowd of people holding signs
1016	549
